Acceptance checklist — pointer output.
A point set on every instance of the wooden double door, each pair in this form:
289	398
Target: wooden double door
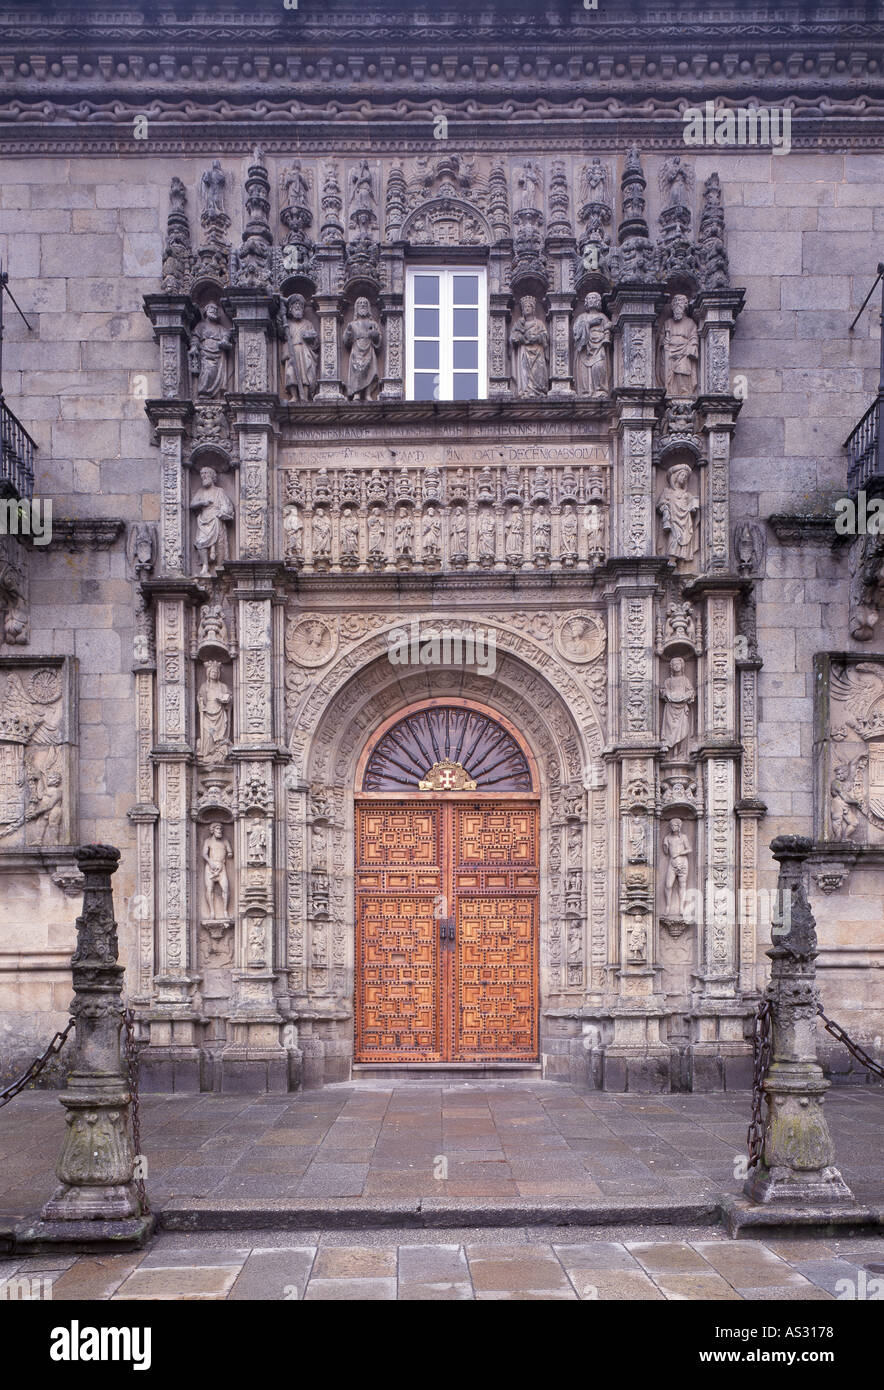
447	931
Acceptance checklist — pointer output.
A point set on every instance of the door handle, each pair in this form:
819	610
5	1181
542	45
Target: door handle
446	929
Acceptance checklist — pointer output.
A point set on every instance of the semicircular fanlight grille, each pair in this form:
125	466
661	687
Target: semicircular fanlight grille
476	742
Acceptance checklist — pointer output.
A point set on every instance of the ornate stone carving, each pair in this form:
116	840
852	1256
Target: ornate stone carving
15	629
210	344
214	701
177	253
866	594
680	352
529	341
252	262
677	506
34	765
216	851
712	253
580	637
749	549
310	640
300	354
678	696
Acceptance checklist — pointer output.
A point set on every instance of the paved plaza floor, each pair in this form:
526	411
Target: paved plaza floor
509	1141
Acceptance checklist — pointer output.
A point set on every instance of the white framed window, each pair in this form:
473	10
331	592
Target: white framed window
446	332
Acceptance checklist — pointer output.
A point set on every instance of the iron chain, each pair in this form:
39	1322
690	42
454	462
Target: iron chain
133	1058
762	1042
36	1066
852	1047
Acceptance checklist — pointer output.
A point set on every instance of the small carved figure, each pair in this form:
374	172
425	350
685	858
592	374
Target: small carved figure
213	703
349	532
677	507
48	808
458	532
293	529
296	188
216	852
528	181
569	533
404	535
678	696
843	806
514	544
529	341
256	844
322	536
209	347
377	532
301	353
592	334
681	351
677	848
486	533
674	176
214	510
363	337
594	522
212	190
541	532
432	535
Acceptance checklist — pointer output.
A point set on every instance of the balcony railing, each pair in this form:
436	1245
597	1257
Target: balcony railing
17	465
864	445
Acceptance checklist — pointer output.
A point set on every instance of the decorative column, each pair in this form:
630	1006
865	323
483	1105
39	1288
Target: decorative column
97	1205
797	1167
392	302
561	248
500	300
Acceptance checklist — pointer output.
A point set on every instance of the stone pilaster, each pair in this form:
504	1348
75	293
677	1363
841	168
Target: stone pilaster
715	312
634	310
173	316
392	303
169	419
253	315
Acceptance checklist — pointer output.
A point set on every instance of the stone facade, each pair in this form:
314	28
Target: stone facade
248	510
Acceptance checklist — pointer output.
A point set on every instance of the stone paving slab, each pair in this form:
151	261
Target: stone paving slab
542	1264
443	1148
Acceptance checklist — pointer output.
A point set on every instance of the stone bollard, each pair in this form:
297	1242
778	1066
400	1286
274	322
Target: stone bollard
798	1161
97	1205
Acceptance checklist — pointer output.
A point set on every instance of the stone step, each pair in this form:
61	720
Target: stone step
446	1073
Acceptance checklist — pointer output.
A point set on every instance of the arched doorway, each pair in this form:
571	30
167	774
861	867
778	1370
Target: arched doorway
447	880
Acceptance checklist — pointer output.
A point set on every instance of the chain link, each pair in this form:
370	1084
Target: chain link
133	1058
36	1066
762	1043
852	1047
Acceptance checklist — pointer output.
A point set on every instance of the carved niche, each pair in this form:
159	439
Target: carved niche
37	734
849	746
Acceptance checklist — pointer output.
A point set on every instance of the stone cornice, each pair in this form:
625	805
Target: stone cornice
86	533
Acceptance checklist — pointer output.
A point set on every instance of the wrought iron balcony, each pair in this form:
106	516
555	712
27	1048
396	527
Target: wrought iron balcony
864	444
17	466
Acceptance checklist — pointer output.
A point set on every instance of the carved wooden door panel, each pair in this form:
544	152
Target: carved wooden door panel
399	872
446	932
495	872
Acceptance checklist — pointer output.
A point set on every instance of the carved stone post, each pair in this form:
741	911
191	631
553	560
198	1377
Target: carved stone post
97	1204
798	1162
392	302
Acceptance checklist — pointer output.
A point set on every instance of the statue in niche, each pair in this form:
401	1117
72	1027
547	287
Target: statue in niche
458	532
214	510
681	351
404	535
677	506
293	529
675	178
541	533
678	696
212	186
529	341
377	532
257	943
349	533
362	199
486	533
677	848
363	337
594	522
569	533
301	353
514	545
295	186
592	334
432	534
256	844
594	182
322	536
213	701
216	852
209	346
528	181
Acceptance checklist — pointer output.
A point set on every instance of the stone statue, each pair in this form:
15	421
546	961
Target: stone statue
675	178
677	848
214	510
458	526
256	844
529	341
843	806
569	533
432	534
377	532
363	337
209	347
677	506
541	533
216	852
486	533
47	810
213	701
514	547
322	536
293	529
212	186
678	696
349	532
681	351
295	187
528	181
592	334
301	353
404	535
594	523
